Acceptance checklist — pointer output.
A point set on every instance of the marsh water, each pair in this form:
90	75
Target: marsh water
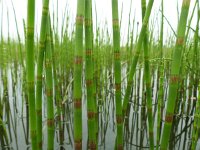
136	137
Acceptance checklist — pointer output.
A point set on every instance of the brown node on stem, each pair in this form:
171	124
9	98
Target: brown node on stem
50	122
79	19
49	92
39	112
119	119
117	55
169	118
78	60
174	79
180	41
92	145
91	114
120	147
45	10
115	22
117	86
77	103
33	133
78	144
88	52
88	22
89	82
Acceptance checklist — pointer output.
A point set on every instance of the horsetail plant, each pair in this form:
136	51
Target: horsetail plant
147	76
117	74
49	89
78	61
174	75
30	71
45	11
92	141
125	109
160	79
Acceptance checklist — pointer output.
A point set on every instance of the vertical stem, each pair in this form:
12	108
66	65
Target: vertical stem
78	61
174	75
49	90
117	74
43	28
92	142
30	71
148	81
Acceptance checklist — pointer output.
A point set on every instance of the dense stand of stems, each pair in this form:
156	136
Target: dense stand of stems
136	57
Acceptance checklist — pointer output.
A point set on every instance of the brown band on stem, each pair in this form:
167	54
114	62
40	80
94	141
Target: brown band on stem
119	119
117	55
92	145
174	79
180	41
115	22
89	82
39	112
50	122
149	109
49	92
78	60
40	144
78	144
88	22
148	84
120	147
33	133
39	77
88	52
151	134
91	114
79	19
30	31
117	86
169	118
45	10
77	103
130	83
58	117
